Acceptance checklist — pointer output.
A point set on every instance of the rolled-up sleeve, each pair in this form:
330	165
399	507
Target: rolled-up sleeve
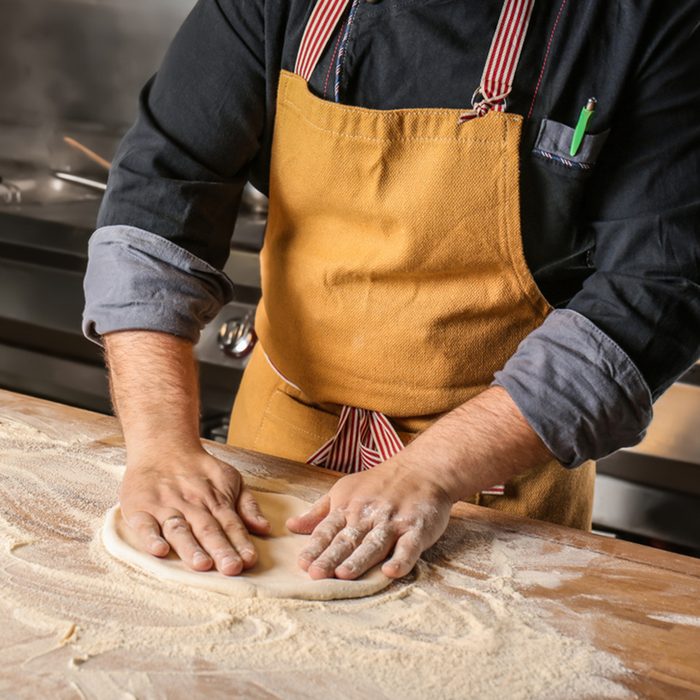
577	388
137	280
586	380
166	221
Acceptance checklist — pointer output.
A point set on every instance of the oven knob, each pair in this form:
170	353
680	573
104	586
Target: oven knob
237	337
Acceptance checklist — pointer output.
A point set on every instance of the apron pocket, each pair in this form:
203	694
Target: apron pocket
292	429
553	143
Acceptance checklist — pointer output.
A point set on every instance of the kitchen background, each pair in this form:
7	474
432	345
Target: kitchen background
73	68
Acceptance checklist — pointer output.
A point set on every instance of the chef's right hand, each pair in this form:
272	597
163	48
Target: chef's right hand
195	504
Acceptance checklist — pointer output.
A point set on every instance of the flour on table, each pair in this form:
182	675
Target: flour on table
275	575
77	621
689	620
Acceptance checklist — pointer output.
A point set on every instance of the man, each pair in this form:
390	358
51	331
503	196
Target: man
475	272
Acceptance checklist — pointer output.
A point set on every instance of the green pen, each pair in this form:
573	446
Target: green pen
580	130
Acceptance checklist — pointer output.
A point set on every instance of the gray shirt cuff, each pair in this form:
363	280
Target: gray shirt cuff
577	388
137	280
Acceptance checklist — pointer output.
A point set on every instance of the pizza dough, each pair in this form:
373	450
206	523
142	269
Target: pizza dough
276	574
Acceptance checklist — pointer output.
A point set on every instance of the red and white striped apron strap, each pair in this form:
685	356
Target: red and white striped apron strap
318	31
503	58
499	70
363	439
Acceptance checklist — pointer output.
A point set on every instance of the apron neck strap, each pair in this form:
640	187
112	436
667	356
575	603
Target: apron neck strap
318	31
503	58
502	61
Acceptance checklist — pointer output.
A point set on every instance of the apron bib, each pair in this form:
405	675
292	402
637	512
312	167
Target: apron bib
393	277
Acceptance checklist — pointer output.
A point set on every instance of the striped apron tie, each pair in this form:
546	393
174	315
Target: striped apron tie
363	440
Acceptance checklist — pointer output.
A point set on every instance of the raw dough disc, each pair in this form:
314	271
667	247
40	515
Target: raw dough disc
276	574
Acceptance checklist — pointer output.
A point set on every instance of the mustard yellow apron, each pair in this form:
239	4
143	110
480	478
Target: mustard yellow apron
393	277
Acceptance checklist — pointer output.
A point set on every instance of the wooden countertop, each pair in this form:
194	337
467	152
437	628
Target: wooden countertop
640	604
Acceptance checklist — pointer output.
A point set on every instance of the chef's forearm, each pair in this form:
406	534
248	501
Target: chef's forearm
483	442
154	387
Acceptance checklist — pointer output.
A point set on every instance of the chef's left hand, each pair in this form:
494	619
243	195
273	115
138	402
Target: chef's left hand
404	503
367	515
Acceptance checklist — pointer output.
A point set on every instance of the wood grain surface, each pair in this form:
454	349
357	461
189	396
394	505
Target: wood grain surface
639	603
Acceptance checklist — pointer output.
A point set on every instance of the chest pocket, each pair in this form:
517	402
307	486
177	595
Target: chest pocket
553	185
554	141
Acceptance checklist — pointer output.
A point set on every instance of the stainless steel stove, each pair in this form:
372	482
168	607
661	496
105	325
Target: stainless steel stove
50	192
44	228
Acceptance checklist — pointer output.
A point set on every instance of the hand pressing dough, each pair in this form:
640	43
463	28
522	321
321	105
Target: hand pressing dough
276	574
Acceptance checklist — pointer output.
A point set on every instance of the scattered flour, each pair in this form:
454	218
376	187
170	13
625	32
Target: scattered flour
689	620
76	619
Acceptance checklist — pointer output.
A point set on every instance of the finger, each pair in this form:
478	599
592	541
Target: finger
178	532
211	536
237	534
250	513
406	553
148	531
305	523
374	548
320	539
343	544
